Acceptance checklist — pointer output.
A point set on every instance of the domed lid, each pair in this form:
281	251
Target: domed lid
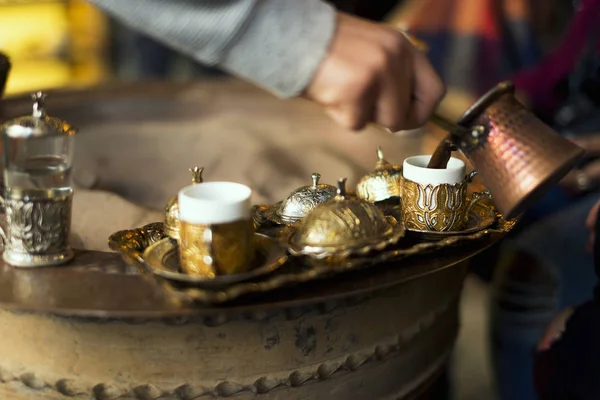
303	200
171	223
38	124
381	183
344	225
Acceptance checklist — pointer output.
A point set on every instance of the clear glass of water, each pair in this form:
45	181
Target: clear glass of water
38	163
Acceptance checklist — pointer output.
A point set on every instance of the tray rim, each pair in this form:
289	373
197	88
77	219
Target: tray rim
316	270
274	260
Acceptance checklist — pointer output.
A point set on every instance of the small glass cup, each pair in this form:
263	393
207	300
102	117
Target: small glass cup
216	233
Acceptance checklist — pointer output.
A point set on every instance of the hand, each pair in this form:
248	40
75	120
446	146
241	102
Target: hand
590	224
374	74
587	178
555	329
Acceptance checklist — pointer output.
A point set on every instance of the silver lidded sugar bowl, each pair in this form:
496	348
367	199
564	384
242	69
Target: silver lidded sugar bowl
382	183
171	222
344	226
297	205
37	152
302	200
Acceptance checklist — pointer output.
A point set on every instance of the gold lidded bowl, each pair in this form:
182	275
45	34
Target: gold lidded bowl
344	226
298	204
171	223
382	183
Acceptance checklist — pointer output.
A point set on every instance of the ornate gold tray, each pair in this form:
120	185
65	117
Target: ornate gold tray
267	214
162	259
131	244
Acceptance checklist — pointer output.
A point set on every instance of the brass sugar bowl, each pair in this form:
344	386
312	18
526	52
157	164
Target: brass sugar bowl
171	222
344	226
382	183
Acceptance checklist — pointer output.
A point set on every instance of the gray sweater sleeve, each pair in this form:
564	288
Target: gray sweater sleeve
276	44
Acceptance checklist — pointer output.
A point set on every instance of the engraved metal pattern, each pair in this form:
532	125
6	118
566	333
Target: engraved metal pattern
382	183
521	157
38	224
218	249
302	201
344	226
131	244
479	217
439	208
172	207
329	369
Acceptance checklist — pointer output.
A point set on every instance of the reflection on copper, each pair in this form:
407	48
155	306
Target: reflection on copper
521	157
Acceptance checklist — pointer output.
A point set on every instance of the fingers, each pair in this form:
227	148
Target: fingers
394	96
555	329
590	143
411	89
351	116
590	224
372	73
428	91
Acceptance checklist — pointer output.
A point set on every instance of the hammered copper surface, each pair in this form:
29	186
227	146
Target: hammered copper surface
521	157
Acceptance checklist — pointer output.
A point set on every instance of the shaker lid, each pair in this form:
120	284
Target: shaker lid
38	124
381	183
304	199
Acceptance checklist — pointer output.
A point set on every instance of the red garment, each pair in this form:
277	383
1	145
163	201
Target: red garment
539	83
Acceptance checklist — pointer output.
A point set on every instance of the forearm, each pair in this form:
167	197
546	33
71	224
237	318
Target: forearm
276	44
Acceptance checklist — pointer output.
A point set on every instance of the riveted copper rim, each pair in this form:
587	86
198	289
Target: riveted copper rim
484	102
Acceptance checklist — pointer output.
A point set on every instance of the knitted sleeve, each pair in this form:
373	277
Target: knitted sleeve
276	44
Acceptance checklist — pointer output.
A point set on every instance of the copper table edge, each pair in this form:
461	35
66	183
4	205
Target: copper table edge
186	311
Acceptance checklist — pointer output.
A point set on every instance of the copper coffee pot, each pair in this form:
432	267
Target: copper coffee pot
518	156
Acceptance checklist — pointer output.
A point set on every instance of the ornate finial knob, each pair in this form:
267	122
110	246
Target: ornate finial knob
341	188
381	162
38	104
315	180
197	174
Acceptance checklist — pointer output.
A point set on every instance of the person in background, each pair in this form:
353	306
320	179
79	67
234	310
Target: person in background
543	266
360	72
567	362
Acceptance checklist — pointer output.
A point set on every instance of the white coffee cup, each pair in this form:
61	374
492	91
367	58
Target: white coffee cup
214	203
215	229
415	169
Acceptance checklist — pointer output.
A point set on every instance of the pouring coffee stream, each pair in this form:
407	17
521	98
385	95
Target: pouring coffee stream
443	151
